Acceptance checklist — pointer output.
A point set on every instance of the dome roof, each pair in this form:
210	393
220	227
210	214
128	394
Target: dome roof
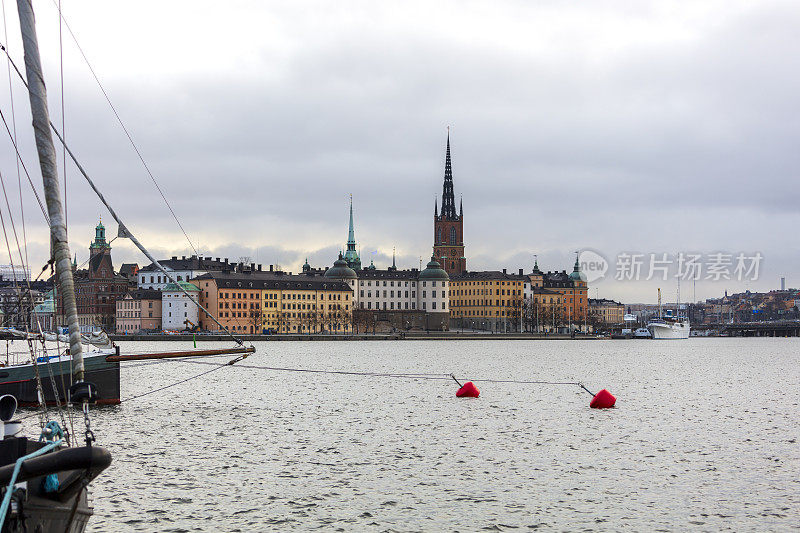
433	271
340	270
577	275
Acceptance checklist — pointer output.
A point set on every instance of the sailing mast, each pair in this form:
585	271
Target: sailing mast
59	246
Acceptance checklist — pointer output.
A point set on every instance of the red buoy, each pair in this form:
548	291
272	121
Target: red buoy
468	390
603	400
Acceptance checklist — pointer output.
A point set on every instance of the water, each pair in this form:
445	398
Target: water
704	437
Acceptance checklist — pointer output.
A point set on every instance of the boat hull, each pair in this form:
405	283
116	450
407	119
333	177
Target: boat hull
20	381
676	330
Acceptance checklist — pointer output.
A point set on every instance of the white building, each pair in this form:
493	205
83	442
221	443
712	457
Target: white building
15	273
183	269
396	290
178	312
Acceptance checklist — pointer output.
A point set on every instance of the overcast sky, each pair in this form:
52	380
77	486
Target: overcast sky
650	127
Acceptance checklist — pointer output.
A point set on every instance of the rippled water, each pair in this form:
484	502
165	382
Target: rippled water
704	436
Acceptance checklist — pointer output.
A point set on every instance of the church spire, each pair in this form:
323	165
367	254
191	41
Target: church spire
351	256
351	236
448	202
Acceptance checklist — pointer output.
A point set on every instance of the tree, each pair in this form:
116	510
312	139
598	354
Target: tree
513	312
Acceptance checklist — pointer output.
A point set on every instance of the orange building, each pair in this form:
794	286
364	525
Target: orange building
254	302
572	288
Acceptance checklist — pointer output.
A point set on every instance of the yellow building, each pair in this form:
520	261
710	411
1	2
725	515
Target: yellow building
488	300
254	302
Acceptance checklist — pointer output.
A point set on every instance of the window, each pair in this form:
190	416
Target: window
439	236
452	236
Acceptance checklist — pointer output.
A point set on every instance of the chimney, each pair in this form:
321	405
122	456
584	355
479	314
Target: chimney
259	267
174	257
520	271
504	271
217	259
183	257
270	268
252	266
226	260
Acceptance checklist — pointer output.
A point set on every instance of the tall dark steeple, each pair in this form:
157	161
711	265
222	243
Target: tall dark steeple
448	225
448	200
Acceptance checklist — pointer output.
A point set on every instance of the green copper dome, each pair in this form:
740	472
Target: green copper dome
577	275
340	270
434	271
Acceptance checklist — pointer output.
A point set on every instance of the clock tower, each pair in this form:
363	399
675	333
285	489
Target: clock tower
448	227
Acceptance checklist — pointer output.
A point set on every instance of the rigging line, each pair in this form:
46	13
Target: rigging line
314	371
114	215
378	374
14	127
223	365
19	158
14	229
127	133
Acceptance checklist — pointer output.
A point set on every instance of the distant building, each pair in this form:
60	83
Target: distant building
448	227
97	288
183	269
129	271
15	273
490	300
603	311
178	311
139	310
573	289
247	301
398	291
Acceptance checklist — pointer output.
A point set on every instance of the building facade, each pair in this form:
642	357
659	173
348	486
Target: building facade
573	289
448	226
178	311
398	291
488	300
97	288
139	310
250	302
181	269
605	312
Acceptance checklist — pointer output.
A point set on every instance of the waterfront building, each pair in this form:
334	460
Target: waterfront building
178	311
400	295
247	301
139	310
183	269
97	288
489	300
448	227
15	273
43	314
605	312
573	288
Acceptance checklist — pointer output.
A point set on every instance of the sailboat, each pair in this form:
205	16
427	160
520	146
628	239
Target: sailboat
45	480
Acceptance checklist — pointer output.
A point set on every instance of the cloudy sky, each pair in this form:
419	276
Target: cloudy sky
617	126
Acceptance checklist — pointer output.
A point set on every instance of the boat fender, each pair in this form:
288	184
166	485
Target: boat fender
468	390
603	400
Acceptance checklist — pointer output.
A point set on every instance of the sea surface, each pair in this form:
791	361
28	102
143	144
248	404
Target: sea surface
704	437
